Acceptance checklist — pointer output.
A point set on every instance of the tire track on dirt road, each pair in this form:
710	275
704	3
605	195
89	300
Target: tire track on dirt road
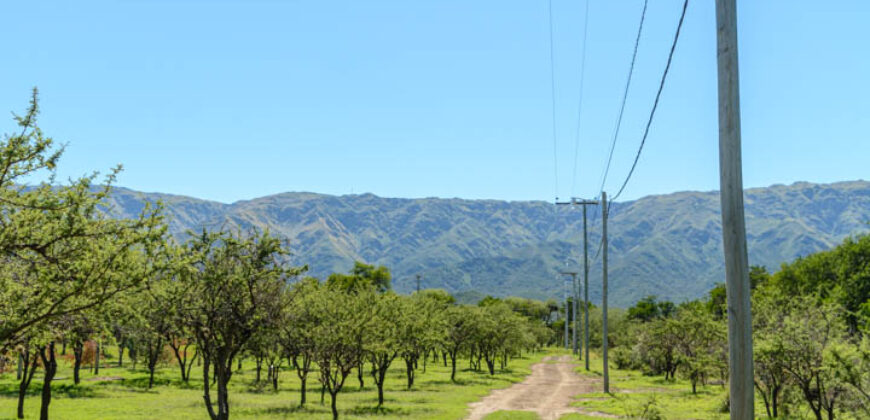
548	391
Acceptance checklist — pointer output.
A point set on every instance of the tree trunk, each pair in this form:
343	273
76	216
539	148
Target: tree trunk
333	396
190	365
302	392
275	378
29	369
206	378
120	356
409	370
774	398
302	372
49	364
259	368
78	350
182	360
453	363
154	350
97	358
359	376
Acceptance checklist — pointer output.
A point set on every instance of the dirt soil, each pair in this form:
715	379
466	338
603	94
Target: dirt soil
548	391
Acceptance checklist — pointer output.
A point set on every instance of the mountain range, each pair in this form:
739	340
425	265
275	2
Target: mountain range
665	245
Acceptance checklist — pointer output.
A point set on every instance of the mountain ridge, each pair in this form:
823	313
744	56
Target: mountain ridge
664	244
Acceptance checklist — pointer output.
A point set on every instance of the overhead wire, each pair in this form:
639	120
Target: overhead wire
624	96
553	104
656	102
606	207
580	99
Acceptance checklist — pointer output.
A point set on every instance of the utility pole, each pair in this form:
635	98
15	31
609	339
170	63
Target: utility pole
566	313
585	289
418	283
733	222
604	211
574	293
584	203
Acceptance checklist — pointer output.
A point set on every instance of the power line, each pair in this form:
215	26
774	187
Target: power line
553	105
580	100
656	102
624	96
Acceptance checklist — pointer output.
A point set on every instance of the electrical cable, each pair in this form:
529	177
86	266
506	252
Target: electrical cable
656	102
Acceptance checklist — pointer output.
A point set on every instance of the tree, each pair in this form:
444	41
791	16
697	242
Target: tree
808	335
771	377
700	343
233	288
28	353
421	327
61	251
345	320
296	331
649	308
361	277
79	329
382	338
852	365
460	329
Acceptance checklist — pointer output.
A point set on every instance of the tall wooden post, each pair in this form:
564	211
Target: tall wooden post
733	222
604	210
585	288
575	306
581	202
566	314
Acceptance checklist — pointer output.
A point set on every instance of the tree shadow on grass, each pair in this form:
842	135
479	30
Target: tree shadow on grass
63	390
458	382
369	410
293	409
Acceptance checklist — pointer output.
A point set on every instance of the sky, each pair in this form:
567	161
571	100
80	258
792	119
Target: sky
232	100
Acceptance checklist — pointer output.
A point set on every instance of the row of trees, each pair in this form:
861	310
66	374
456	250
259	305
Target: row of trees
72	274
811	333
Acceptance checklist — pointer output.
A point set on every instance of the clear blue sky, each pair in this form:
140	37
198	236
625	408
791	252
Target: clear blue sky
230	100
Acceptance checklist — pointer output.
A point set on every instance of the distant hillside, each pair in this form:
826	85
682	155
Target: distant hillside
667	245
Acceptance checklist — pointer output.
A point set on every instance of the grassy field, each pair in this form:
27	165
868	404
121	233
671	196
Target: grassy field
633	393
123	393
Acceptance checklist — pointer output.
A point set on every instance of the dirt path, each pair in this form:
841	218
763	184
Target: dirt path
548	391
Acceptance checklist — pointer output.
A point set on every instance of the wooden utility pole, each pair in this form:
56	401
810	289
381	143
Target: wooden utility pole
566	314
574	294
585	289
604	211
584	203
733	222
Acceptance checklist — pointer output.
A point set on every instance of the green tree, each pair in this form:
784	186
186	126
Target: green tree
700	343
296	332
362	276
345	321
233	288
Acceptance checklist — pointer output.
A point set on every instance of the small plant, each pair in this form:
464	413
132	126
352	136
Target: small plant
725	405
649	410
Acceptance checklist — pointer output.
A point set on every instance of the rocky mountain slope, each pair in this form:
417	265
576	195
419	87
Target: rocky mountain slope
667	245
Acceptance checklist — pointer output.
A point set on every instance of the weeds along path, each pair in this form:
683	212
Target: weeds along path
548	391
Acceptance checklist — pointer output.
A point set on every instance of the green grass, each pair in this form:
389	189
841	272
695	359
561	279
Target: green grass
433	395
632	392
512	415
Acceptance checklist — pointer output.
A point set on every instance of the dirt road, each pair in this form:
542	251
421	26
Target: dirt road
548	391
